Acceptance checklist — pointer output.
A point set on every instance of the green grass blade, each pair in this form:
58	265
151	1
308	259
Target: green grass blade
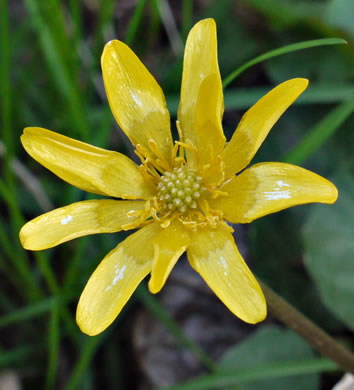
187	17
53	344
61	73
134	22
7	359
153	305
5	93
8	188
20	261
276	370
86	355
27	313
104	25
319	134
280	51
34	310
76	12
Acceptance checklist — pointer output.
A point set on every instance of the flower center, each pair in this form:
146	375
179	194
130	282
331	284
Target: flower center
180	189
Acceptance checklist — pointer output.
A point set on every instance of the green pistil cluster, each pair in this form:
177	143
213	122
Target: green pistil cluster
180	189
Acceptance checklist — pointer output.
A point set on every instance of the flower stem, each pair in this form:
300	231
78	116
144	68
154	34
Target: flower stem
314	335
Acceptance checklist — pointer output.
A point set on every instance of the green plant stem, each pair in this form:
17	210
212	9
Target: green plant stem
280	51
315	336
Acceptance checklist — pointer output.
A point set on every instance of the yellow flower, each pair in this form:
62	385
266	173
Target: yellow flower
184	191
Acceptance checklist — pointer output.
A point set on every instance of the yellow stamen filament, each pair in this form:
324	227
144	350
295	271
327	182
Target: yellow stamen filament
180	191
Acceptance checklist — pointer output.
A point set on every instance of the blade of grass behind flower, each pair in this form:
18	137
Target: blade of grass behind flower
53	346
154	306
169	23
27	313
20	261
103	27
8	188
7	359
264	372
319	134
61	73
87	352
280	51
5	84
42	307
135	22
73	266
187	18
7	263
113	366
76	12
285	12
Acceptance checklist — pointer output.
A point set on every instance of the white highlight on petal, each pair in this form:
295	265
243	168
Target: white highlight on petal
275	195
66	220
224	264
282	184
119	273
136	99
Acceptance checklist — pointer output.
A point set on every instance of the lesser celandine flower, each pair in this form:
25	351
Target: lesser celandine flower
185	192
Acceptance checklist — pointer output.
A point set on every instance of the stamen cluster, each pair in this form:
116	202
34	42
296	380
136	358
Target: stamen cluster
179	189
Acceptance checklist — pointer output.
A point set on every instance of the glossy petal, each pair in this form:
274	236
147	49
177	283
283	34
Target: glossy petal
214	255
257	122
77	220
87	167
169	246
201	106
269	187
136	100
115	280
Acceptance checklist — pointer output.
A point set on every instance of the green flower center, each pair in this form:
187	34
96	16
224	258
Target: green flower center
180	189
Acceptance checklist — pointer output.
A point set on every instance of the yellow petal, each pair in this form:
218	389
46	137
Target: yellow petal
77	220
214	255
136	100
115	280
269	187
169	246
202	106
87	167
257	122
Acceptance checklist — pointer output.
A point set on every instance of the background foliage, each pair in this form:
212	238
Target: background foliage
50	77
